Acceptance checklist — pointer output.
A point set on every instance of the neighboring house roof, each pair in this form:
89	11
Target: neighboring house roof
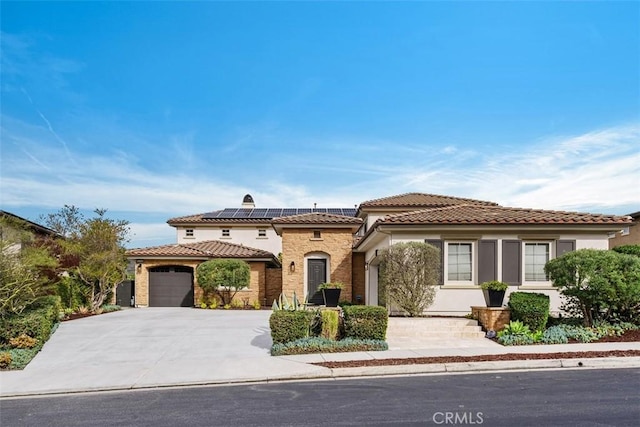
420	200
254	215
479	215
32	226
312	220
205	249
635	215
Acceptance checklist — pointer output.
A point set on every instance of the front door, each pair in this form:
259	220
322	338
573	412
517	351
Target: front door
316	274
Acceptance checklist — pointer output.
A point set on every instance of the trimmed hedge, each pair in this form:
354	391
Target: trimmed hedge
365	322
530	308
287	326
324	345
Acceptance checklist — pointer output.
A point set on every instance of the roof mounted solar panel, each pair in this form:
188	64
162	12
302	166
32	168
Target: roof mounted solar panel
242	213
335	211
304	211
273	213
258	213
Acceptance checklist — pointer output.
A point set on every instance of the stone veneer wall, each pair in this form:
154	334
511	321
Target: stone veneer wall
296	243
255	292
358	276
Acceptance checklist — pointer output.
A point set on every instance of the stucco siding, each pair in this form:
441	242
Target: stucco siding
240	235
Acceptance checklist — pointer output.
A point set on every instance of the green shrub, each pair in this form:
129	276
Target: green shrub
289	326
532	309
516	340
323	345
330	319
72	291
365	322
109	308
628	249
516	333
36	323
5	359
555	335
580	333
598	285
494	285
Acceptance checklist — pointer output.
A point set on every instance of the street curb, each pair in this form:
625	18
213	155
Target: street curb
468	367
376	371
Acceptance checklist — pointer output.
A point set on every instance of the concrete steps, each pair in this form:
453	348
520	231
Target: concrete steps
432	328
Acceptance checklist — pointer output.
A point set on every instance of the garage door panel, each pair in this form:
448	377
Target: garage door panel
170	289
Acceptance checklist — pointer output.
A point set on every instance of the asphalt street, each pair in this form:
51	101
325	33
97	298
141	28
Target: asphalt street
579	397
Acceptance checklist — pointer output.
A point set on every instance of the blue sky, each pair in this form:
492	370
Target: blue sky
161	109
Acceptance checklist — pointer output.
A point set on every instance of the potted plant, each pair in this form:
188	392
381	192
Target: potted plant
494	291
331	293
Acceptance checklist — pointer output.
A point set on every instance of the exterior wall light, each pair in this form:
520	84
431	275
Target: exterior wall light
292	266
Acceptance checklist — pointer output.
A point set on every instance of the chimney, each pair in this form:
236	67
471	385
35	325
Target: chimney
247	202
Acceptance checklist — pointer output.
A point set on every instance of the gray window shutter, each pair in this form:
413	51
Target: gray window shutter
564	246
487	260
511	262
439	244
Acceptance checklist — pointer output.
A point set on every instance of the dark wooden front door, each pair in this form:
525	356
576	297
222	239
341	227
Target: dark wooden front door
316	274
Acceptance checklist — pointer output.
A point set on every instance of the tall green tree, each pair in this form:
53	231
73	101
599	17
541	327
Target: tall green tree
224	277
97	246
409	275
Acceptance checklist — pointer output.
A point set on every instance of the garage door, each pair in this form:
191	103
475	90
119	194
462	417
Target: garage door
171	287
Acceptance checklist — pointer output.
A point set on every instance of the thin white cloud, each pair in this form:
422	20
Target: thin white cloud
599	169
143	235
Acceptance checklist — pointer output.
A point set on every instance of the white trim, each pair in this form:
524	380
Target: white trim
535	283
316	255
474	264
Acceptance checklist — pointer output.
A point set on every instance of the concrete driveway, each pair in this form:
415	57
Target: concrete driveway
149	347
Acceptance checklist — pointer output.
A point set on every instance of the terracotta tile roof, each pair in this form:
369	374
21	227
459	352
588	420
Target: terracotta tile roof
420	200
478	215
317	218
200	219
205	249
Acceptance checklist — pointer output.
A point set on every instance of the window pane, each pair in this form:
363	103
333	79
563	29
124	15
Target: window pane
459	265
536	256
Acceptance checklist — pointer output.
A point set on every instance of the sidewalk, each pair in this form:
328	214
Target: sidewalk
212	371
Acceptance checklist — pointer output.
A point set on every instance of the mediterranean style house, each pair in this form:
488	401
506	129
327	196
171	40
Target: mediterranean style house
296	249
629	235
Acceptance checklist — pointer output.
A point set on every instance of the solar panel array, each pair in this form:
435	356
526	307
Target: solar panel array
243	213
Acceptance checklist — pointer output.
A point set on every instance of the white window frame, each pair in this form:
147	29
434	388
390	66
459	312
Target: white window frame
226	233
262	233
625	231
474	263
550	244
189	233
